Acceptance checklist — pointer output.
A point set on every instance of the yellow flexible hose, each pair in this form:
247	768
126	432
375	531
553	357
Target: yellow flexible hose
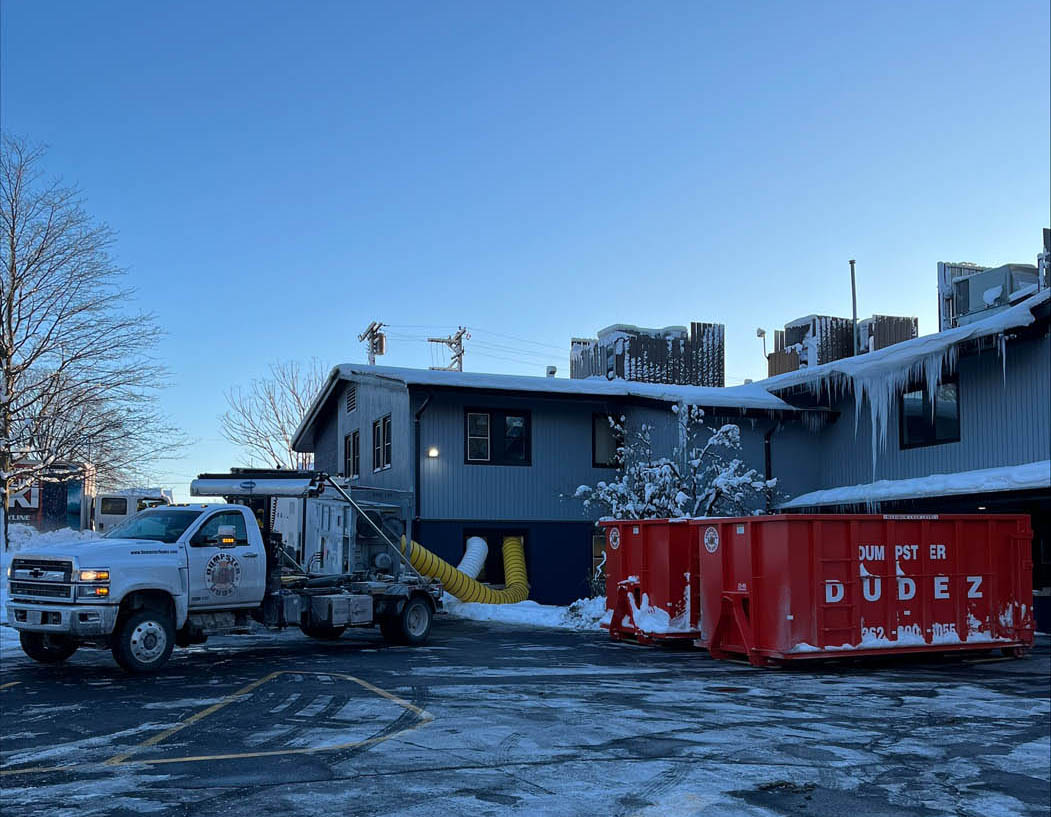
465	588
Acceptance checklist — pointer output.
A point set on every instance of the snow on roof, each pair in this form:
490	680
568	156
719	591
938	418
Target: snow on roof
1030	476
749	396
903	356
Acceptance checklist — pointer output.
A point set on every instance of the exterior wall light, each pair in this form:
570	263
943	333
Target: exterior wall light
432	452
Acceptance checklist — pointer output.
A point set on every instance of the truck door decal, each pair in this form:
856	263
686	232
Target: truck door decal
222	574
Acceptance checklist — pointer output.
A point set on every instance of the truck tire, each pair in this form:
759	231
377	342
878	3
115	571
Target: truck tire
144	641
412	626
47	648
322	633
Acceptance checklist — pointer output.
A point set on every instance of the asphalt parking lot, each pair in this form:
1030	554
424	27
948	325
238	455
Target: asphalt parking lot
491	719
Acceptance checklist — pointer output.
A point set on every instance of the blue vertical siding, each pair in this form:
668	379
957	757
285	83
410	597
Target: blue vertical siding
376	398
1004	420
561	461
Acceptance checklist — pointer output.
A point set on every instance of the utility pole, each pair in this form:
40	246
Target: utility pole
376	340
455	344
854	307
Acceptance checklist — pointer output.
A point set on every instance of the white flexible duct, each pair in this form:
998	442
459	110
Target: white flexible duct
474	558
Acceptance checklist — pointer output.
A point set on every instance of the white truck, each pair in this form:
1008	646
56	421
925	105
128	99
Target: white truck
111	509
173	575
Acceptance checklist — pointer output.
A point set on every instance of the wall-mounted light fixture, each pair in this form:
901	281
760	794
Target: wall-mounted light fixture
432	452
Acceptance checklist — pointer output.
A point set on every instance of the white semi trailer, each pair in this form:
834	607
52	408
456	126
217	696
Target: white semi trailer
173	575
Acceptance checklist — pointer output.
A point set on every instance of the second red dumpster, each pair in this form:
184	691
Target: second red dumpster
650	565
794	587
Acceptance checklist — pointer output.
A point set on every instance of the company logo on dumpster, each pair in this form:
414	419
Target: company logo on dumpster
711	539
614	538
872	584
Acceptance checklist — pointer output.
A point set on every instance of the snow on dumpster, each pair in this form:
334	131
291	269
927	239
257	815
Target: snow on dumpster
778	589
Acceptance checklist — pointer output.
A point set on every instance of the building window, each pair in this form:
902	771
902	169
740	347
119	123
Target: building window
381	444
497	437
352	455
478	439
921	422
352	397
606	442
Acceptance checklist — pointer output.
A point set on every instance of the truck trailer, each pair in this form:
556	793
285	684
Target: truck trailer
175	574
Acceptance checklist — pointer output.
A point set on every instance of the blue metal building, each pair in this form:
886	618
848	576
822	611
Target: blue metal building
956	421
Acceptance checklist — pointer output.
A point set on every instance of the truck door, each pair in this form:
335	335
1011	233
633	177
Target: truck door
225	574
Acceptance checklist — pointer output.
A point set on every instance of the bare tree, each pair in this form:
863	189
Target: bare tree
77	380
263	418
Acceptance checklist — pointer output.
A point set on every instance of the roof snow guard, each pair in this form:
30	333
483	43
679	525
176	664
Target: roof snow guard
748	397
878	377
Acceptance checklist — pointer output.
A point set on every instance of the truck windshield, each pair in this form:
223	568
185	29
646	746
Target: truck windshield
160	525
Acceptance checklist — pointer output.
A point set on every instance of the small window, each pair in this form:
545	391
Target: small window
352	397
352	455
922	422
497	437
208	534
117	506
381	444
477	437
606	442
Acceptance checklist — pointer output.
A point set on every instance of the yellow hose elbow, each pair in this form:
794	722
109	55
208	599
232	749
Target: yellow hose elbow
462	586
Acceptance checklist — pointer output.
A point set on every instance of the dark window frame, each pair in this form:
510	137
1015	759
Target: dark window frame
382	447
498	436
109	501
240	527
617	437
352	454
929	416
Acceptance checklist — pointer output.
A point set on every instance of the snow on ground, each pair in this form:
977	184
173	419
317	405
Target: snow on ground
583	614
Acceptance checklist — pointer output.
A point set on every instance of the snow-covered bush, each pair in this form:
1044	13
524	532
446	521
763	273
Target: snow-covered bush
699	478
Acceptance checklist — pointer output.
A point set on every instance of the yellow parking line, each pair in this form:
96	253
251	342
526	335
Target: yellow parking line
9	684
190	721
424	718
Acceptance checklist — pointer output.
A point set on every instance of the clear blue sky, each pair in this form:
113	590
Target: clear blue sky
280	174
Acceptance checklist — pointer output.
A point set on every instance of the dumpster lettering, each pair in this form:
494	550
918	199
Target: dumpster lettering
907	552
938	552
870	553
872	588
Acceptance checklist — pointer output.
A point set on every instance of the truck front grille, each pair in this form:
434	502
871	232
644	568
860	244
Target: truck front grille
41	579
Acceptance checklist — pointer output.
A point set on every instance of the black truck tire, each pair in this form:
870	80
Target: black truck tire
144	641
412	626
46	647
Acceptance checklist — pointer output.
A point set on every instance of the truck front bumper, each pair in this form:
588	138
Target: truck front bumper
77	620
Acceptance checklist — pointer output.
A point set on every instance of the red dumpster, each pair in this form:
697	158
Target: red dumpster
650	565
795	587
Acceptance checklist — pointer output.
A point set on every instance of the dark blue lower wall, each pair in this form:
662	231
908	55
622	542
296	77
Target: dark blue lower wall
558	554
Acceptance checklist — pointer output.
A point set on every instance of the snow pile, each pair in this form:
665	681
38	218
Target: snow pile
23	537
984	480
583	614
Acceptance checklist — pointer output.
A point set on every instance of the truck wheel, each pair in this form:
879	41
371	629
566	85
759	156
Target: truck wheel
412	626
47	648
322	633
144	641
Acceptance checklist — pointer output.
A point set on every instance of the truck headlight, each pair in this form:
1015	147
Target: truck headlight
94	575
92	591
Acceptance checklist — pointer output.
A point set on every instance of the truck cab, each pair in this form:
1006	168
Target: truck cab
137	586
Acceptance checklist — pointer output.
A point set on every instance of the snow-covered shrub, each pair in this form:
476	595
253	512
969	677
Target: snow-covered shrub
701	477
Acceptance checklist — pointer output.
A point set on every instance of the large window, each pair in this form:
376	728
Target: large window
923	421
381	444
606	442
493	437
352	455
